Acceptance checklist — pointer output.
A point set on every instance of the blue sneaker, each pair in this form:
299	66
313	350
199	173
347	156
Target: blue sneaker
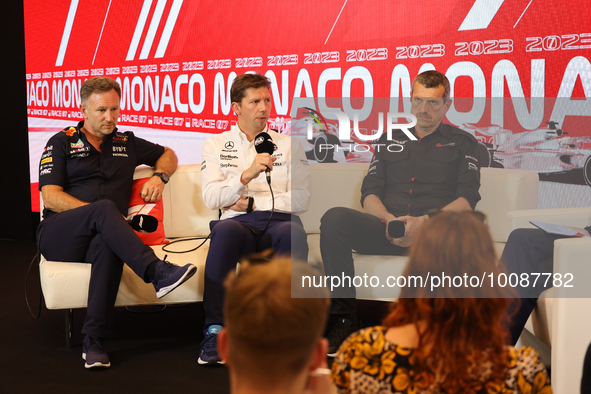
208	355
169	276
94	353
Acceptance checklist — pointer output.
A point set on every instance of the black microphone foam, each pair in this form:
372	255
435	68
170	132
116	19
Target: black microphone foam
396	229
264	144
143	223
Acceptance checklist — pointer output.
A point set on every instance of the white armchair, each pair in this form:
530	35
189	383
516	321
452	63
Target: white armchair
562	318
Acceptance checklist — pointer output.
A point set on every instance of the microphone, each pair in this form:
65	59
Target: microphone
264	144
143	223
396	229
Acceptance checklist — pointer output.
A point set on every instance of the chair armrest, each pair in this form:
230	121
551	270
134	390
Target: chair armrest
571	256
575	217
570	313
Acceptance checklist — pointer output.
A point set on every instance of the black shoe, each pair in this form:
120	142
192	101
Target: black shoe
339	333
208	353
94	353
169	276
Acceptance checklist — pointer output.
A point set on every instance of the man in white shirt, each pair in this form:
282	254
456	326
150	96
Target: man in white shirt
254	216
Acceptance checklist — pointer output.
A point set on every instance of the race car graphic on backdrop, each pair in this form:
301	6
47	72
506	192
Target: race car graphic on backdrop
550	151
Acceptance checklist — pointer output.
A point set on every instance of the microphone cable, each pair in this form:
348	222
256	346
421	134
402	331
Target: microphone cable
184	240
255	232
272	208
164	248
265	140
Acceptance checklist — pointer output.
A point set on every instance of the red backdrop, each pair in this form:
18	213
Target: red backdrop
176	59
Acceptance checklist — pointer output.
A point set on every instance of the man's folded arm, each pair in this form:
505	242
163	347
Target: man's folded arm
459	204
57	200
167	163
373	205
468	178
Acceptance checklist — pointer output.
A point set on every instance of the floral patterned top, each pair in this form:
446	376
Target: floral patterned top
368	363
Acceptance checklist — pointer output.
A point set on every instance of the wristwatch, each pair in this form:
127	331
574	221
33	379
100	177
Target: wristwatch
250	205
165	178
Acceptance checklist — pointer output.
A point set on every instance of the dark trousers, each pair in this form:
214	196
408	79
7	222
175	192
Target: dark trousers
231	239
527	250
99	235
343	230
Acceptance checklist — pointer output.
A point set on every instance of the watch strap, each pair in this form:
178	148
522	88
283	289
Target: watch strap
165	178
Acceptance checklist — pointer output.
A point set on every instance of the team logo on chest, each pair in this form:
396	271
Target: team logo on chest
120	151
78	144
120	145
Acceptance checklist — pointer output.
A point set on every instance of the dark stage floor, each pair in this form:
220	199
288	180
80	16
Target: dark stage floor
153	352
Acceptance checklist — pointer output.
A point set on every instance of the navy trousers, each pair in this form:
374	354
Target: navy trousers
231	239
96	234
343	230
527	250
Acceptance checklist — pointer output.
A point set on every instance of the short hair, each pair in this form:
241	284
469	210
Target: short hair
269	331
433	79
247	81
459	332
98	85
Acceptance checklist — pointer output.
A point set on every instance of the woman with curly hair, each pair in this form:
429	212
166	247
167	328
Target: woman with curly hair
449	339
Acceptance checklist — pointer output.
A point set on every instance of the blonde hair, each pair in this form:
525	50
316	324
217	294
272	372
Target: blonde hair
269	331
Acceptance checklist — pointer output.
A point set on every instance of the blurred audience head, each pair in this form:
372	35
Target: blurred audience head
271	338
459	327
